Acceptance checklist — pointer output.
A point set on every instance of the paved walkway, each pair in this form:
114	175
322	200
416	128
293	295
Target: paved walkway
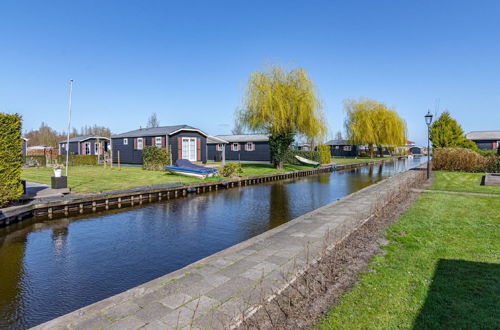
457	192
213	292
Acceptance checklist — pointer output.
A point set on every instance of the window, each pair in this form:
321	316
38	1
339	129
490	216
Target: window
139	144
125	141
336	147
249	146
158	142
220	147
347	148
189	149
96	148
235	147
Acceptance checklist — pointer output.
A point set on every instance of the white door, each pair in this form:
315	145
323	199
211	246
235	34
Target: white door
189	149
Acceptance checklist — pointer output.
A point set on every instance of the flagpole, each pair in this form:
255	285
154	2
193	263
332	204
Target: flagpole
69	123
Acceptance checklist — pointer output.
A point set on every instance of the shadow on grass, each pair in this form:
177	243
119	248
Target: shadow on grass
463	295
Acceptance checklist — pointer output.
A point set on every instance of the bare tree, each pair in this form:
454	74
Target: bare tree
239	127
153	121
338	136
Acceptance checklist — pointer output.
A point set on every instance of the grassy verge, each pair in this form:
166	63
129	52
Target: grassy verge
461	181
441	270
84	179
348	160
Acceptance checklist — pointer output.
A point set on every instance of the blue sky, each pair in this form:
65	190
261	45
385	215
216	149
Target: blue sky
189	61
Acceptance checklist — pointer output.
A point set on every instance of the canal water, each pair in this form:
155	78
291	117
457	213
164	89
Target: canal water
49	268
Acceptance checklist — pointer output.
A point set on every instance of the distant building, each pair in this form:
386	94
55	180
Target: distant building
25	146
343	148
183	142
85	145
416	150
242	147
485	140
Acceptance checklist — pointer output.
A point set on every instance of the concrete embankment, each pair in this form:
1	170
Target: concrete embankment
217	291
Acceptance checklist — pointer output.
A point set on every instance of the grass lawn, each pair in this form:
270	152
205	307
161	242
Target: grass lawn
348	160
461	181
84	179
441	270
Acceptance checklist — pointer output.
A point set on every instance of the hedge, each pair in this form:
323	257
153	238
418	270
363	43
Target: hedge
78	160
462	159
309	154
11	158
155	159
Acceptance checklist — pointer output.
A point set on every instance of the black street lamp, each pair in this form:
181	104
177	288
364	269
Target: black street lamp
428	121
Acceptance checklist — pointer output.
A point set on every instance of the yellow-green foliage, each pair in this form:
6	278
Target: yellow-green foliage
281	102
232	169
11	158
155	159
324	154
374	123
78	160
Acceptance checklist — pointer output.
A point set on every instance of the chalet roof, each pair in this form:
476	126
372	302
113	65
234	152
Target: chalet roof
84	137
244	138
215	140
338	143
483	135
157	131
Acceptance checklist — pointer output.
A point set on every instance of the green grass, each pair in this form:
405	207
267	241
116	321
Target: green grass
348	160
441	270
461	181
84	179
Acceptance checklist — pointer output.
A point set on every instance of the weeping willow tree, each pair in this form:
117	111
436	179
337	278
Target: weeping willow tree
372	123
283	104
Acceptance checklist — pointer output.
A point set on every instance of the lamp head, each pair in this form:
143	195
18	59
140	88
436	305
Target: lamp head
428	118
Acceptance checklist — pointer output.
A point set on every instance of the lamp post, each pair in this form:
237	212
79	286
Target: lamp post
69	123
428	121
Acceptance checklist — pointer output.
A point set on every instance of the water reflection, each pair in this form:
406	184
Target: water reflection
54	267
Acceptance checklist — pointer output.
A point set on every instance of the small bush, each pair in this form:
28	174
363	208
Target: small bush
232	170
78	160
461	159
11	158
325	155
155	159
35	161
310	154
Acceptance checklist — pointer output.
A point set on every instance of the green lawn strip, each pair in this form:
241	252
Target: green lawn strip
462	181
348	160
84	179
441	270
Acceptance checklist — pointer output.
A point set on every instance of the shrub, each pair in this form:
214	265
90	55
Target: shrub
155	159
325	155
11	158
232	170
78	160
291	153
35	161
461	159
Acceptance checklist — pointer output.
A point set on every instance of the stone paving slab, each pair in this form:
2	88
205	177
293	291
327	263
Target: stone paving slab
214	291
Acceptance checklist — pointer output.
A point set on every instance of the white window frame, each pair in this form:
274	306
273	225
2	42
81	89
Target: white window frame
250	146
160	144
235	146
140	143
347	148
189	149
125	141
220	146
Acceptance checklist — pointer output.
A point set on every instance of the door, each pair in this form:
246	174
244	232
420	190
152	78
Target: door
189	149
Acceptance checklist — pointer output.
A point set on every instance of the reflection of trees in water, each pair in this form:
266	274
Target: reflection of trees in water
279	208
11	273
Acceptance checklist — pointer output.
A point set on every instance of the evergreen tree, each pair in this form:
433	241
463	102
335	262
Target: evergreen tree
447	133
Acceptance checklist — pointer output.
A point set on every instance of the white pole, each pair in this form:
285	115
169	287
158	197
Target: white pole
69	123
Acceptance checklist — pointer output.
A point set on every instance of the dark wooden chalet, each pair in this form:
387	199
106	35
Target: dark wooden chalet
243	147
183	142
485	140
343	148
416	150
85	145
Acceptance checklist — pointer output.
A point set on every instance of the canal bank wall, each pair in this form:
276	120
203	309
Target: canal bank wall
80	204
220	290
